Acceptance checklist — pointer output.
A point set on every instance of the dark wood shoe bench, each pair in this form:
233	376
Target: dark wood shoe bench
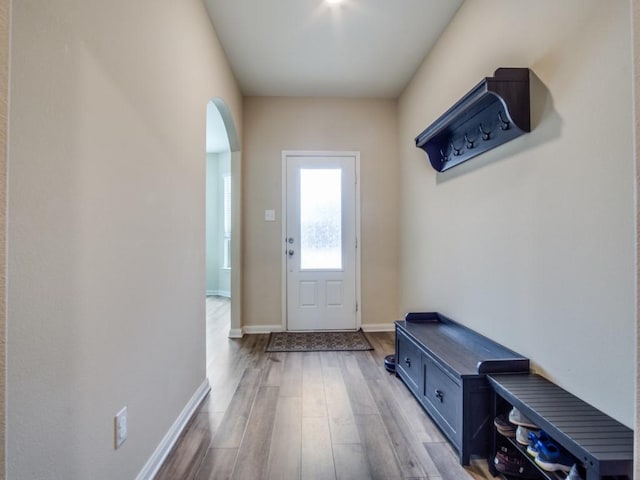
601	444
463	380
444	364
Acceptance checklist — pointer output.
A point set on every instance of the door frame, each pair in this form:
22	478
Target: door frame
319	153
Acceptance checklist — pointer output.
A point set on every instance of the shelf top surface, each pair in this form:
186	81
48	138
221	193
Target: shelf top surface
578	426
461	349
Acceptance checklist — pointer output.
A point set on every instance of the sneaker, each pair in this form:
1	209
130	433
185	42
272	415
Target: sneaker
504	427
522	435
534	438
519	419
573	473
551	458
514	464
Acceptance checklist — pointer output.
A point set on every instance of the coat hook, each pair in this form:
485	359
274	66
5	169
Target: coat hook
445	158
485	135
505	123
470	143
456	151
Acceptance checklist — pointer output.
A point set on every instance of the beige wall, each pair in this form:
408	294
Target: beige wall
533	243
276	124
4	91
106	228
67	434
636	91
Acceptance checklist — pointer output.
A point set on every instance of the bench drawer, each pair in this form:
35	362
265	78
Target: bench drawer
444	397
409	362
444	364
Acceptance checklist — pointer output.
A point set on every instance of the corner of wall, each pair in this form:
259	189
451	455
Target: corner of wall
635	18
5	8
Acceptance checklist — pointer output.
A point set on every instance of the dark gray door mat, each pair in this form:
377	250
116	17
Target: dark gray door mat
317	341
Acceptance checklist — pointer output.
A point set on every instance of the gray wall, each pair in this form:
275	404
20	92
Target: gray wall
4	92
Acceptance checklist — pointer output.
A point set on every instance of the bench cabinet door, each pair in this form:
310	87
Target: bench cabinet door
409	362
442	396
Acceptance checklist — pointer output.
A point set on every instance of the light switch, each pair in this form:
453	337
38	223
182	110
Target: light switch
269	215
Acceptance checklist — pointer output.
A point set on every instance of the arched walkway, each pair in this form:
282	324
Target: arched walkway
229	130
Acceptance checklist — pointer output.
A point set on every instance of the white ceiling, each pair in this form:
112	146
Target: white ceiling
359	48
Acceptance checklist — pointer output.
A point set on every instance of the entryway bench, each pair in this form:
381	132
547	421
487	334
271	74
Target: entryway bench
603	445
444	364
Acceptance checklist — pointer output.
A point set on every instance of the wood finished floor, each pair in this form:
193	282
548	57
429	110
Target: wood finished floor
311	415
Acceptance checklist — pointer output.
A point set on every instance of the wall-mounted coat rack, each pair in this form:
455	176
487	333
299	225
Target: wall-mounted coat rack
494	112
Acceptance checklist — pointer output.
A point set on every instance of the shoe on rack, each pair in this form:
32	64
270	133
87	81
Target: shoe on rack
514	464
504	427
573	473
534	438
522	435
551	458
518	418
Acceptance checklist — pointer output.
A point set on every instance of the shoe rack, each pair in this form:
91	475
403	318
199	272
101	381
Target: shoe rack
602	446
499	441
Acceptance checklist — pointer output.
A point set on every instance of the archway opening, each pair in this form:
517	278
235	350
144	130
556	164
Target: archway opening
222	217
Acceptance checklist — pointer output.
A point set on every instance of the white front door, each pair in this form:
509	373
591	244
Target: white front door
320	241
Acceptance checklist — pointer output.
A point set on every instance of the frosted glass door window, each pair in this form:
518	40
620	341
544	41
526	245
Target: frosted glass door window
320	219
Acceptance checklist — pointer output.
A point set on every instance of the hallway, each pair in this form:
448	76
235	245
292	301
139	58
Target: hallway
329	415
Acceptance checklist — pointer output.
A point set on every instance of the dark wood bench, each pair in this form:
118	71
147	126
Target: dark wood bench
444	365
603	445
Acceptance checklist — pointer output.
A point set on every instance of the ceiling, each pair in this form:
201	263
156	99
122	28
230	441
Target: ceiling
358	48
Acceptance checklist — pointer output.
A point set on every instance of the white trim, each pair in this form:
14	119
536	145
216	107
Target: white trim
359	247
158	457
236	333
378	327
320	153
283	287
218	293
236	239
253	329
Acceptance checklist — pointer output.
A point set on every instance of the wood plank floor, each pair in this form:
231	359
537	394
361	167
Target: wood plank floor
311	415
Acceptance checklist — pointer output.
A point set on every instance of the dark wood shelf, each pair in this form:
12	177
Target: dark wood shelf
444	364
543	473
494	112
601	444
461	351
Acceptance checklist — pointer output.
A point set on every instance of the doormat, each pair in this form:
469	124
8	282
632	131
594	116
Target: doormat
317	341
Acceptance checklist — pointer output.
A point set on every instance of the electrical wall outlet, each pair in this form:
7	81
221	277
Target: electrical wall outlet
270	215
120	427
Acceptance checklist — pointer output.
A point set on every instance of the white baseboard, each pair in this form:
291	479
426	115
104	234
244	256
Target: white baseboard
378	327
235	333
160	454
218	293
253	329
